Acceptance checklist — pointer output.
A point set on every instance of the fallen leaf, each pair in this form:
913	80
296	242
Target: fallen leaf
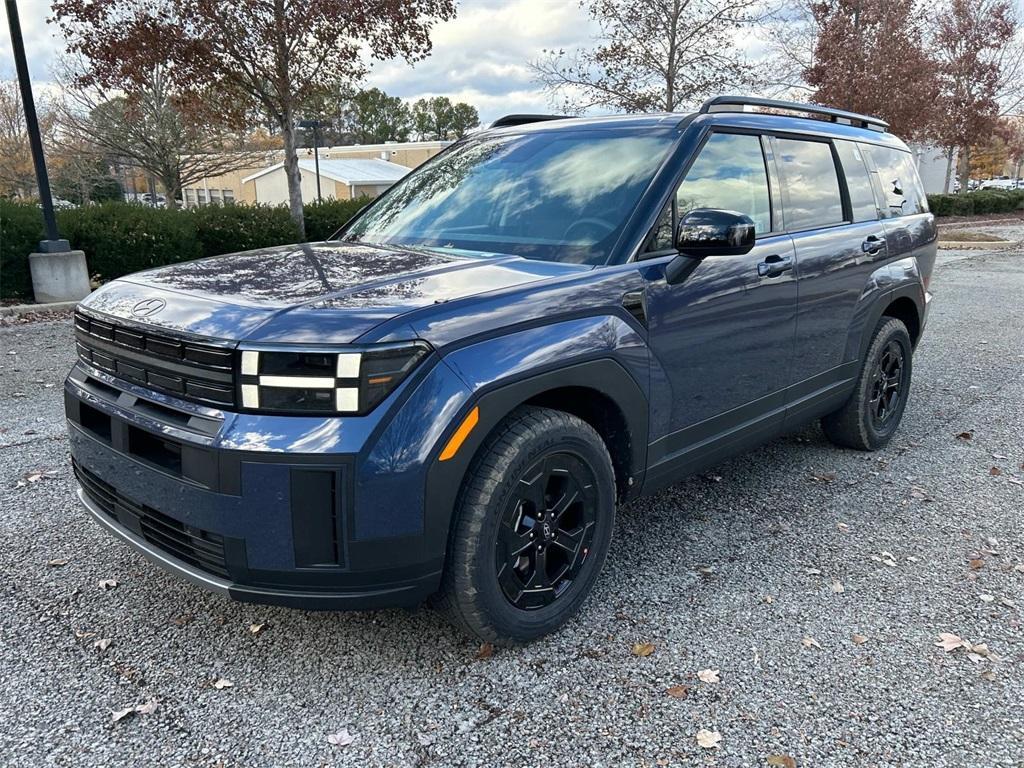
81	634
708	739
768	599
121	714
148	708
989	675
823	477
256	628
987	598
708	676
1007	602
814	572
678	691
643	649
485	651
995	471
221	683
842	527
838	588
920	494
1019	567
950	642
103	643
181	621
1000	456
57	562
810	642
976	564
340	739
859	639
106	584
965	435
784	761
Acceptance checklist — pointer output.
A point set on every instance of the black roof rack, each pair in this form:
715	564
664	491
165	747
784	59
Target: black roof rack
509	120
834	115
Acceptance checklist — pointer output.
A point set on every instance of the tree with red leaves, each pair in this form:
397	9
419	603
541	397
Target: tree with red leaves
975	61
265	57
870	57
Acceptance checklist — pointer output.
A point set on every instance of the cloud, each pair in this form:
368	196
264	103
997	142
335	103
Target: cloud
42	41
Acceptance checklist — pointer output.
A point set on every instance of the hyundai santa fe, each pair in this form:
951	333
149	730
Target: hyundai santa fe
553	316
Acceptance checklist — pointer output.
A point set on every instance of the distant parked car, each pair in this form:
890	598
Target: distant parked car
1002	183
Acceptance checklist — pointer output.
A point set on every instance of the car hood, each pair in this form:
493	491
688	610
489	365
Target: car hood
312	293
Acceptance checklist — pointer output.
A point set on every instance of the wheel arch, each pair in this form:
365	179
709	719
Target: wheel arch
904	302
600	391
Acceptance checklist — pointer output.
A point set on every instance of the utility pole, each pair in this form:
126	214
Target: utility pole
58	273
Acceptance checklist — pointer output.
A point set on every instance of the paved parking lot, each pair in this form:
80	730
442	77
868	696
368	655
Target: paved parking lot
816	581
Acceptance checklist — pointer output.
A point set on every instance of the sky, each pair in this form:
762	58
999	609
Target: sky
480	57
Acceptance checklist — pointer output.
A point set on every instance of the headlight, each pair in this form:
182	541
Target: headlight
354	380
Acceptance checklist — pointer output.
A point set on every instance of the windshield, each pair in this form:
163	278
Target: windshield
553	195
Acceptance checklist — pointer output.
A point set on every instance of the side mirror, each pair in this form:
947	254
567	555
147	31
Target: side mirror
707	232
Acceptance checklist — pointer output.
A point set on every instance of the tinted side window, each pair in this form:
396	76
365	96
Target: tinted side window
729	174
811	183
858	181
900	183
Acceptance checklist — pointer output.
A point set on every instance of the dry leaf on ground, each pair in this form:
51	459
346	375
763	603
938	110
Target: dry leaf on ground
859	639
810	642
57	562
709	676
485	651
257	628
340	739
838	588
103	643
106	584
783	761
949	642
643	649
708	739
678	691
221	683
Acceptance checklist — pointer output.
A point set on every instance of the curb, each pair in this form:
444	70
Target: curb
16	310
977	245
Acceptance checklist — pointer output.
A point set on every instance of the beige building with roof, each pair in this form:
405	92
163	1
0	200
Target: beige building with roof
241	185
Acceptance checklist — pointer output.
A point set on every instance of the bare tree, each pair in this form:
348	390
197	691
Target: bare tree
257	56
17	174
153	130
653	55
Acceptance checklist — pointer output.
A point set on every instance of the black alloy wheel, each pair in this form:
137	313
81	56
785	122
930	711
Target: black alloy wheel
546	531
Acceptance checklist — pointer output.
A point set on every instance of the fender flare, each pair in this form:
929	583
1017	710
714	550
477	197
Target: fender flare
605	375
913	291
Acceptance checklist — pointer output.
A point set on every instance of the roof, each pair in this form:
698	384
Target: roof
356	171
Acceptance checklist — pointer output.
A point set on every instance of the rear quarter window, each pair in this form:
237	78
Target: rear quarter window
901	186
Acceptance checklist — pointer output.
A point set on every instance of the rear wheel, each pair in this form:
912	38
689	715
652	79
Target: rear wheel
871	416
532	527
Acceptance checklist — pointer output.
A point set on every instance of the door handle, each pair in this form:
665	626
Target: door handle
872	244
775	265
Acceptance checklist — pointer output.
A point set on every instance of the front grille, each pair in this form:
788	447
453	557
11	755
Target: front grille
198	548
190	370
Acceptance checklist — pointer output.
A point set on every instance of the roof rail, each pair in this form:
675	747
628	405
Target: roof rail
510	120
834	115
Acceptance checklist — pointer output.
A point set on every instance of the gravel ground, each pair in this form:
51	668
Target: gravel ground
769	569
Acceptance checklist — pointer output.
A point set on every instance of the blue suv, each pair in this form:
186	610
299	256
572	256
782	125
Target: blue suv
449	398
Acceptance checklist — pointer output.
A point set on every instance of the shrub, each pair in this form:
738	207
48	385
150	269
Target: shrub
21	229
228	228
120	238
324	219
980	202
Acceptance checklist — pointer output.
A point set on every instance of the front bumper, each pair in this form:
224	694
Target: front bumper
306	513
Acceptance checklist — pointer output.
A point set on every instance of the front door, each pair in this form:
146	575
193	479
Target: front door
722	341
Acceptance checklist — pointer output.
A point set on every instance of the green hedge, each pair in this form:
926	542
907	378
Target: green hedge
119	238
979	202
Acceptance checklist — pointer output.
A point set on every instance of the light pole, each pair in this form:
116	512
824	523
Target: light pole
53	242
58	273
315	125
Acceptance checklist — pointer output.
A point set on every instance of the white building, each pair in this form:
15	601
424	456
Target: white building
339	179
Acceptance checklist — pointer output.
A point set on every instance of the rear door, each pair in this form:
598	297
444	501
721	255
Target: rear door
832	216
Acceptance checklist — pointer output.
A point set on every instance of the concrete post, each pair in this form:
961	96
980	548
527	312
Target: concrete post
59	276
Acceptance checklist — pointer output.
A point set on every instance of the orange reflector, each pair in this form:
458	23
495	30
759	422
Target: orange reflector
461	434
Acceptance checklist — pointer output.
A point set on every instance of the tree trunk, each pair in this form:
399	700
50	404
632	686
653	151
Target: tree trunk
965	167
949	170
291	172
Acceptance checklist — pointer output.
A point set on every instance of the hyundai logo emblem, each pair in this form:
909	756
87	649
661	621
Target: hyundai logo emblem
148	307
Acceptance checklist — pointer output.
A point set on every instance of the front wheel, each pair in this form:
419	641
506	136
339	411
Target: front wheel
532	527
870	417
